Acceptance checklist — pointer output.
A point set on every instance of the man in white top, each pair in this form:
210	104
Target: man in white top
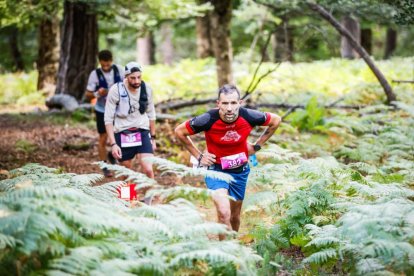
99	82
130	119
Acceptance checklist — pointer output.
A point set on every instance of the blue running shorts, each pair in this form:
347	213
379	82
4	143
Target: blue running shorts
236	188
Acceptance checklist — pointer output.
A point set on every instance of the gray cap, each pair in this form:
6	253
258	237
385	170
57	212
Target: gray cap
132	67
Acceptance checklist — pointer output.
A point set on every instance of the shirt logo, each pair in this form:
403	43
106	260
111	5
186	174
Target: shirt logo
231	135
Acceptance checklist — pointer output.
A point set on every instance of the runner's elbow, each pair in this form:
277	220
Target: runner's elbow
179	132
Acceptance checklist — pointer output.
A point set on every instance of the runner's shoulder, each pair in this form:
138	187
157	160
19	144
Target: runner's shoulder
205	120
253	117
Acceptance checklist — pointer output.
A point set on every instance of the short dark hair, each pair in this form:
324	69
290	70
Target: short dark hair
105	55
228	89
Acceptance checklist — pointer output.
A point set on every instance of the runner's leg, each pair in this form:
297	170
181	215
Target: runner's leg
145	164
126	163
235	207
102	146
222	204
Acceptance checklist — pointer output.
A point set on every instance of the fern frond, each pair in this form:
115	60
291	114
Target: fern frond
321	256
149	265
6	241
79	261
279	154
406	107
259	200
373	189
363	167
131	175
318	167
170	167
368	265
31	168
204	229
210	256
186	192
85	180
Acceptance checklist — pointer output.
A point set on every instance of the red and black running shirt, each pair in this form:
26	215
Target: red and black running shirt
225	139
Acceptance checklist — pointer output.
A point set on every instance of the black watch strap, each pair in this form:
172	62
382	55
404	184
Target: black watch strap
257	147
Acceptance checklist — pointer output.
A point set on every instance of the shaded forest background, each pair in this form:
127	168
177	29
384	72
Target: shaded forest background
60	39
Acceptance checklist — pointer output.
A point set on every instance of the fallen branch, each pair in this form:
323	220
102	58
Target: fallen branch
172	105
403	81
296	106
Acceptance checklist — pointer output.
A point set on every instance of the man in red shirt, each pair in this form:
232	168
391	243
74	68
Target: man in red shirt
226	130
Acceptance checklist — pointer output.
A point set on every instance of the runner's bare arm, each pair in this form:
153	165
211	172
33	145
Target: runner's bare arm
152	132
110	110
89	95
271	128
184	136
115	149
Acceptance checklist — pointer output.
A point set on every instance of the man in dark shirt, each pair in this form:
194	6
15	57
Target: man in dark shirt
226	130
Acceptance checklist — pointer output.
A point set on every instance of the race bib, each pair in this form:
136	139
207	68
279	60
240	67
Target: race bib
233	161
131	139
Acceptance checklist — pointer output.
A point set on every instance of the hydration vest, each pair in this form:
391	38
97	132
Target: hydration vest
101	78
123	108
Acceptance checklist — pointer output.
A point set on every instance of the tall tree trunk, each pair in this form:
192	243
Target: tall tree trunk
361	51
390	42
79	48
146	49
48	56
282	42
352	25
204	44
167	48
366	40
220	36
15	50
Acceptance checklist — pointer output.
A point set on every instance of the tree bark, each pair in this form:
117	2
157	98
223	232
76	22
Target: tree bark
352	25
220	36
390	42
79	48
146	49
204	44
48	56
366	40
361	51
167	48
15	50
282	43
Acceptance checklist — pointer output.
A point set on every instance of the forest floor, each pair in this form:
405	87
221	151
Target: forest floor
55	141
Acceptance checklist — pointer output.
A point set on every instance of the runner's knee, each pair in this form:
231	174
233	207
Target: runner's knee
223	215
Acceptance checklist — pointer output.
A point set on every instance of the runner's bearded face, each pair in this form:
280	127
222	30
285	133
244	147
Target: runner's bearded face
134	80
229	106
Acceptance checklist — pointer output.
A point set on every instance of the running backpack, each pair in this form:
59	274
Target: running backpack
123	108
102	80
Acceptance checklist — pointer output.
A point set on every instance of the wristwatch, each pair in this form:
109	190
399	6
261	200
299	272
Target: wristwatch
257	147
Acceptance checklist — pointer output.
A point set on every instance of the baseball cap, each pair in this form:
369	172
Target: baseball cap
132	67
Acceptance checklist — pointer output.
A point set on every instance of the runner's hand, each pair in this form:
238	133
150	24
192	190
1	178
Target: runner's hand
116	152
102	92
208	159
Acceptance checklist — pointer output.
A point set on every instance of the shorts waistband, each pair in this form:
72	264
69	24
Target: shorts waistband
217	167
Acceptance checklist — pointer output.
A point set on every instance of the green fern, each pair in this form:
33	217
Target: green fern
72	227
